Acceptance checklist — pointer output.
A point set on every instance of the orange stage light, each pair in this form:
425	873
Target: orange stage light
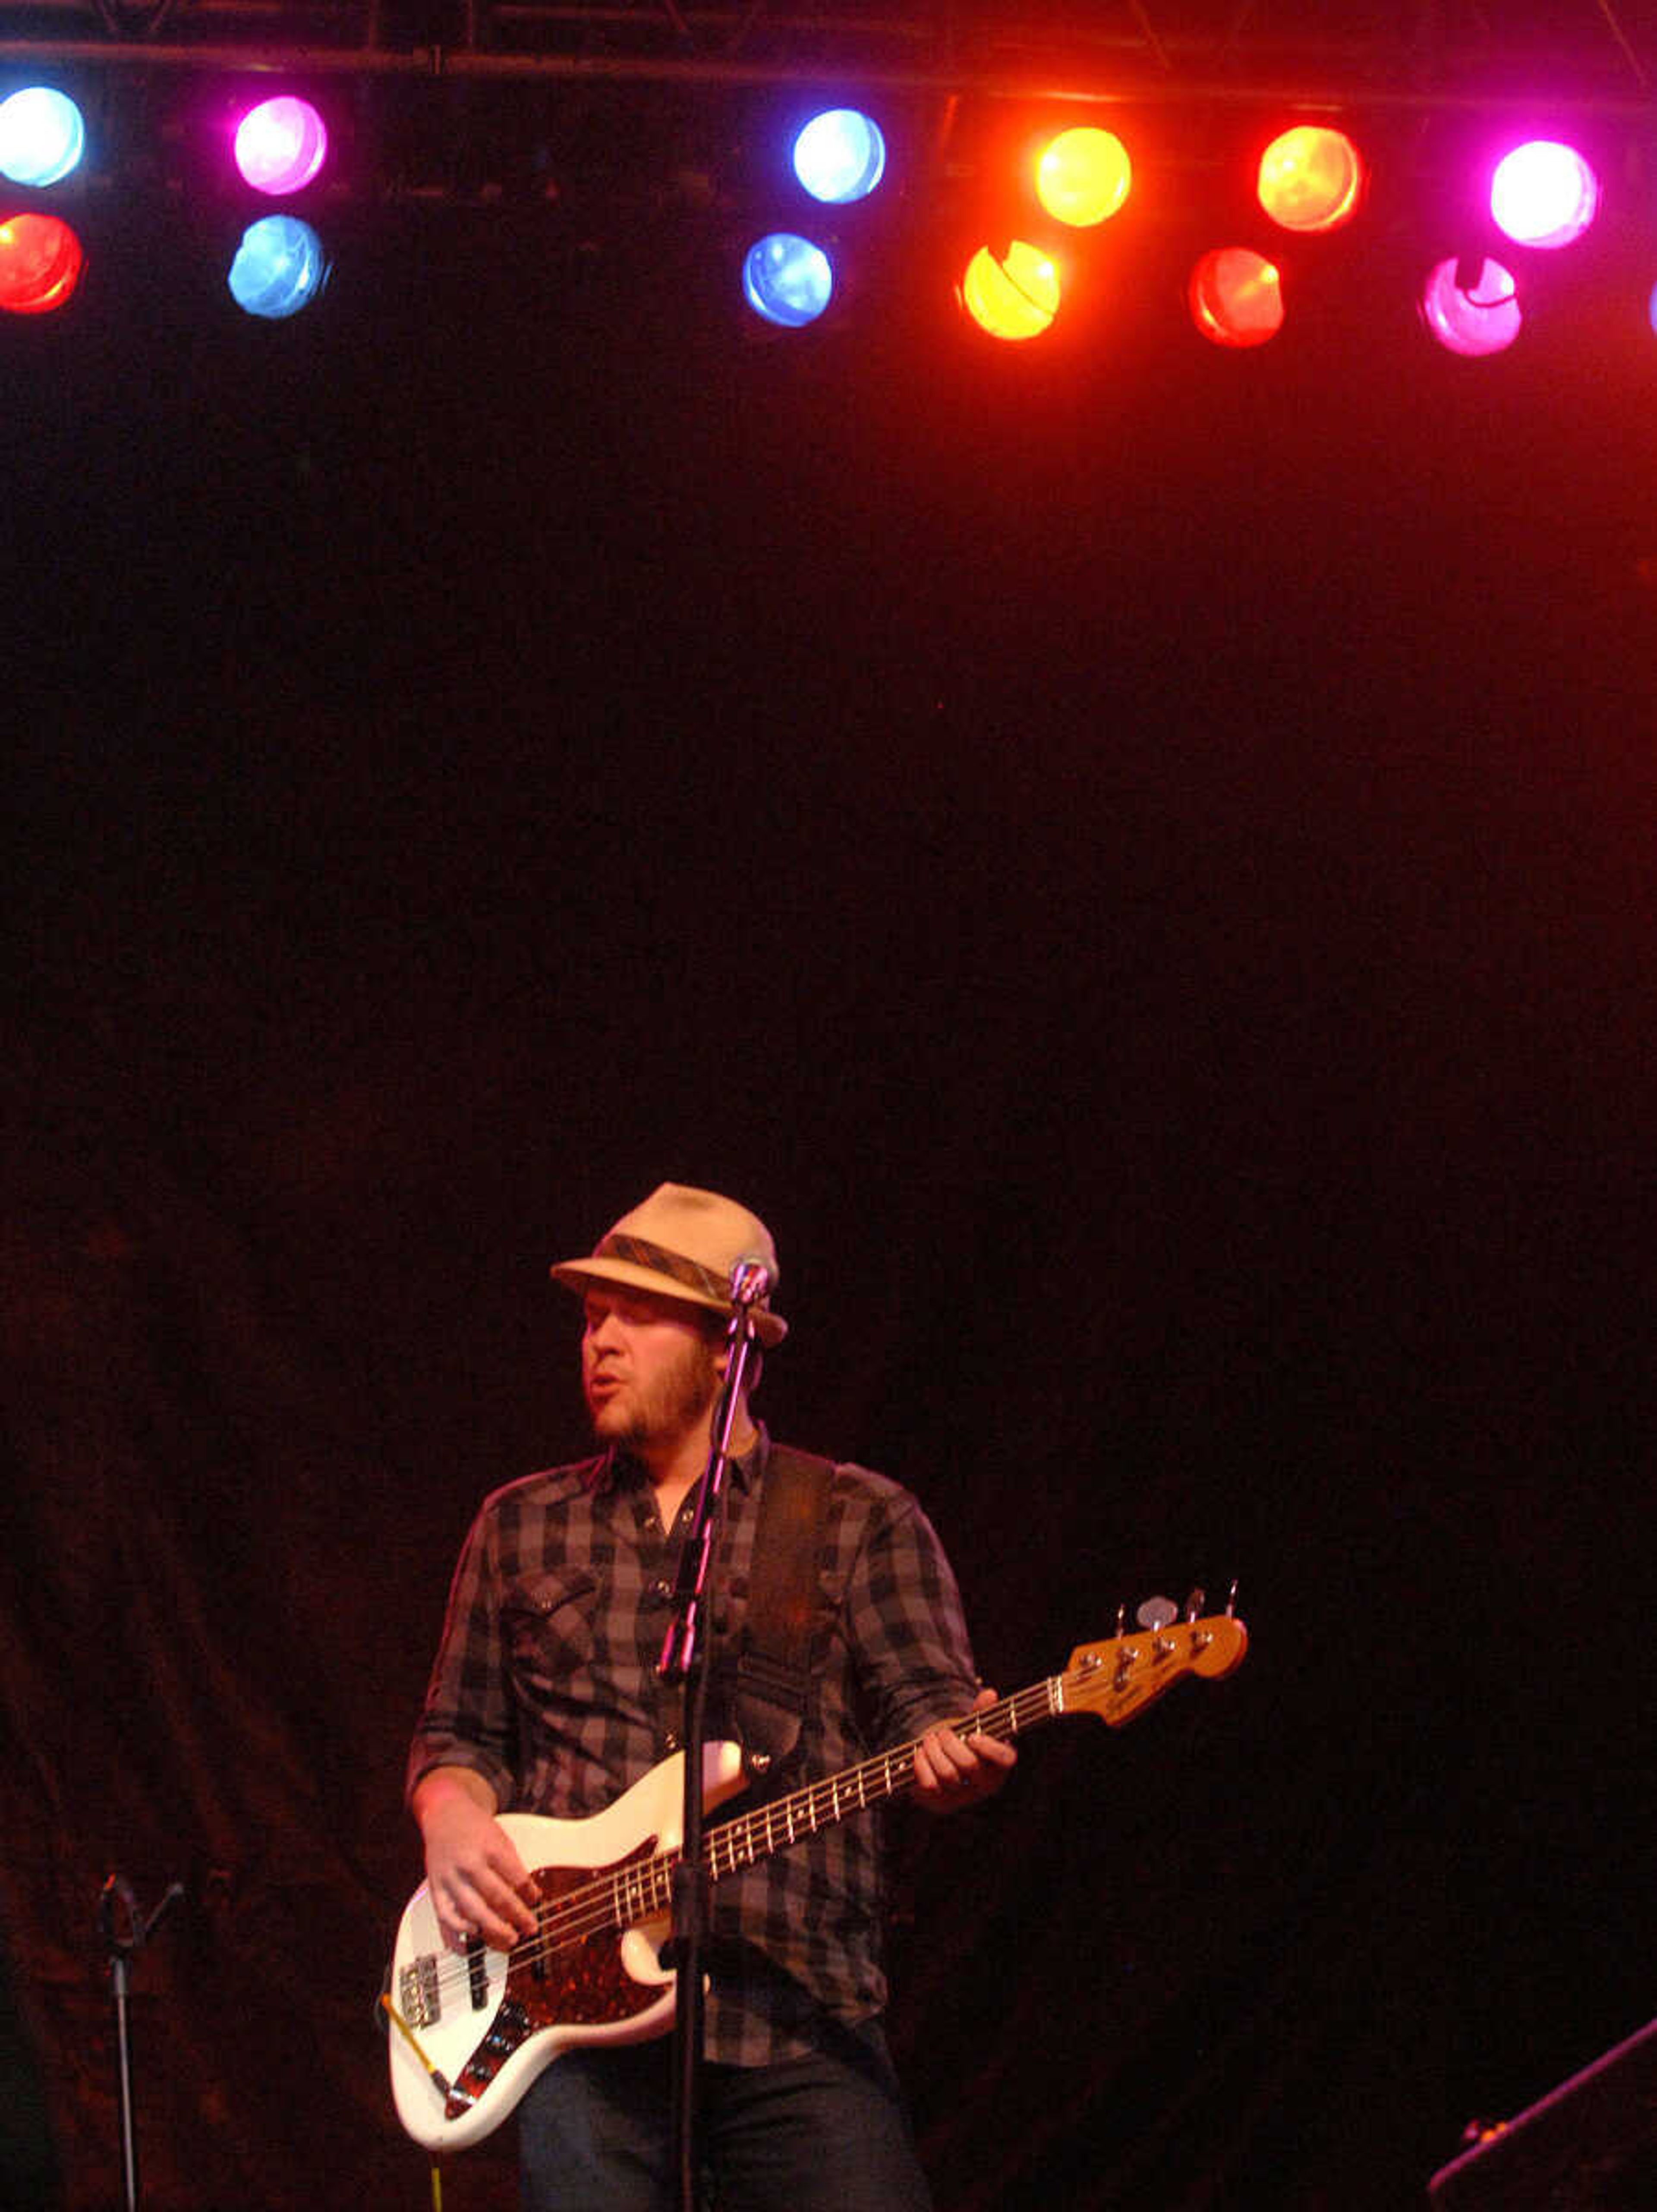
1082	176
1310	178
1014	295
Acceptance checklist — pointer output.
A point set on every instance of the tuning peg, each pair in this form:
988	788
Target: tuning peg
1200	1638
1155	1614
1126	1656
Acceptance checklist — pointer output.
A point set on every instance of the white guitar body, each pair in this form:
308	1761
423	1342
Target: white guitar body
488	2020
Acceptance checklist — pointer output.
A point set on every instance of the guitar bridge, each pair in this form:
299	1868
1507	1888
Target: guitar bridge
420	1999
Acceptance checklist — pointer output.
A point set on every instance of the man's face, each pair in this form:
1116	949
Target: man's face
650	1374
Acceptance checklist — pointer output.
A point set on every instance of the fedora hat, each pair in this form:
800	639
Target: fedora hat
682	1244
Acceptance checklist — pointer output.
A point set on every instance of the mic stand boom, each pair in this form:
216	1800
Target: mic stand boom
684	1660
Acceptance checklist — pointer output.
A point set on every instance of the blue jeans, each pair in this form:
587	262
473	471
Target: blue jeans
822	2134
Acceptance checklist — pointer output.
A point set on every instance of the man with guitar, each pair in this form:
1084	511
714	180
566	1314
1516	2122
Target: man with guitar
545	1699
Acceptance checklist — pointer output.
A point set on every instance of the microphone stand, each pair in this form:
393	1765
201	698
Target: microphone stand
684	1660
122	1942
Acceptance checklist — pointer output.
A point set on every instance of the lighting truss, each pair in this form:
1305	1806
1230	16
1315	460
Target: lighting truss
1425	55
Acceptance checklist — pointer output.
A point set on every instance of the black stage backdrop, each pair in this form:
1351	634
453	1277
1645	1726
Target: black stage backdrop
1140	867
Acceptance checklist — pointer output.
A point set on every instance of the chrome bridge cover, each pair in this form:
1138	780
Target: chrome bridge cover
420	2000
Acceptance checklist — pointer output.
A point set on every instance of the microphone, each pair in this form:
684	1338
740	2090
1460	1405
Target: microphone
751	1280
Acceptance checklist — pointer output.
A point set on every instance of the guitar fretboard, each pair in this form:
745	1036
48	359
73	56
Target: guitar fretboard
645	1888
1114	1679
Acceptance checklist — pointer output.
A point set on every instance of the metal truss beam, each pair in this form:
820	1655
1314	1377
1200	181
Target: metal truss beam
1433	54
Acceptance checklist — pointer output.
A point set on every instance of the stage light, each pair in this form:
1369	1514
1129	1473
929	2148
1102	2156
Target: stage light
40	263
279	267
840	156
1471	311
1014	295
280	145
42	137
1544	194
786	279
1082	176
1310	178
1236	297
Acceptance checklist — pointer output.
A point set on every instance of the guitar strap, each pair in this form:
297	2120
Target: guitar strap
773	1661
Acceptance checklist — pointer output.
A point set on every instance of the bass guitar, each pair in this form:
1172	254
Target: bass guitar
470	2031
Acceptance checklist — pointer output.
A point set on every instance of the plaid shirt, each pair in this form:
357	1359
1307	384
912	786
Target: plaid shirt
545	1683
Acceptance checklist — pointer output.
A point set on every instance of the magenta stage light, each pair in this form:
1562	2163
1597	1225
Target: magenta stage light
280	145
1544	194
1470	311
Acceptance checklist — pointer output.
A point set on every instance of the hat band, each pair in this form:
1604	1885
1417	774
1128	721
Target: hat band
638	1252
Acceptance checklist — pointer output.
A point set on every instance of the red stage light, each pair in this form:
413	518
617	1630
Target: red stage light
1236	297
40	261
1310	178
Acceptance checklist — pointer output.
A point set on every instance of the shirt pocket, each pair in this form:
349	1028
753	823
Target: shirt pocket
547	1623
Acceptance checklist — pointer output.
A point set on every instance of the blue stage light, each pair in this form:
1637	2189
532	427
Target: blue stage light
279	266
840	156
787	279
42	137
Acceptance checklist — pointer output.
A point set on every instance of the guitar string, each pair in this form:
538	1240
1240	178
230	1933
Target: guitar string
598	1905
625	1894
568	1920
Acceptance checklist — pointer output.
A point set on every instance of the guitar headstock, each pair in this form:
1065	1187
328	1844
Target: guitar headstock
1121	1677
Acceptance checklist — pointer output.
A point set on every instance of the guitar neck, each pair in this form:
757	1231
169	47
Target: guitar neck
754	1835
1114	1679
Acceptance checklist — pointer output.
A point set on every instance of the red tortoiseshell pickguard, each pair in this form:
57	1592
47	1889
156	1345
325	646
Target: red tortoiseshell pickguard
582	1983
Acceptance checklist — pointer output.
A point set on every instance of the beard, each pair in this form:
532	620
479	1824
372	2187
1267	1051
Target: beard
675	1401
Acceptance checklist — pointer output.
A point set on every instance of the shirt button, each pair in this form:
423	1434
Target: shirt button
660	1591
670	1740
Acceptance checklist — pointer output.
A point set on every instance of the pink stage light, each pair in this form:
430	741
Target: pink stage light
280	145
1471	311
1544	194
